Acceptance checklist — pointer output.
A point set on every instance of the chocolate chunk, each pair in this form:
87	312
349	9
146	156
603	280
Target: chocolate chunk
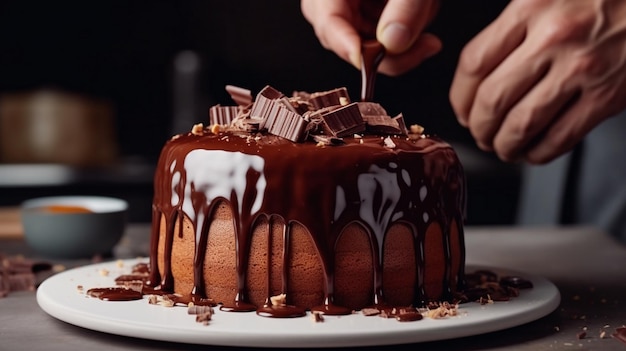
265	101
284	123
222	115
343	121
371	109
379	122
241	96
328	98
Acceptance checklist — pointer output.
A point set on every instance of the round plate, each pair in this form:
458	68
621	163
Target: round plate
60	297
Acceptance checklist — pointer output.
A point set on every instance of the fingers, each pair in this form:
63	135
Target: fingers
424	47
574	122
502	89
481	56
402	22
524	125
333	24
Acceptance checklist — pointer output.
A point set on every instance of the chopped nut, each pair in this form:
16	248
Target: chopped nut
603	334
215	128
119	263
389	143
104	272
279	300
416	129
166	302
343	101
197	129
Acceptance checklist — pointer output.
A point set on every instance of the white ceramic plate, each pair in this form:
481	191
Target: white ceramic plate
59	297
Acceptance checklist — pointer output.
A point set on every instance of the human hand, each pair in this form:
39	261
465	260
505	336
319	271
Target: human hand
541	76
340	25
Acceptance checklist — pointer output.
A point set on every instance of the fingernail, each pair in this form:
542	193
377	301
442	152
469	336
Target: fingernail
395	37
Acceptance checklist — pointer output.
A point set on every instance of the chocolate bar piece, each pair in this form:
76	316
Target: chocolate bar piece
241	96
222	115
285	123
265	101
343	121
333	97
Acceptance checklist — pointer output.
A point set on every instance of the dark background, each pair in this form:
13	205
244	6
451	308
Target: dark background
124	52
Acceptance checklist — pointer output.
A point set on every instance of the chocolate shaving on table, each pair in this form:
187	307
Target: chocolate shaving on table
344	121
241	96
338	96
18	274
223	115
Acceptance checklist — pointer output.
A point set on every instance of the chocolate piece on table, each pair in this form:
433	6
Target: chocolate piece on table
241	96
343	121
222	115
328	98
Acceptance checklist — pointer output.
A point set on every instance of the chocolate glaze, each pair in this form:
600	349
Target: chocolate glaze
325	189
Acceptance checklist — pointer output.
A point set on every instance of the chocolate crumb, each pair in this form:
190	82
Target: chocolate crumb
370	311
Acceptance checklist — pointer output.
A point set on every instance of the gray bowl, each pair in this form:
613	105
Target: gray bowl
55	227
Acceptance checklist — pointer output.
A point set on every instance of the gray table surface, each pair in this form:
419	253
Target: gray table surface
587	266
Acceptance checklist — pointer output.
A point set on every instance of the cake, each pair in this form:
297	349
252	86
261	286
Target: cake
313	200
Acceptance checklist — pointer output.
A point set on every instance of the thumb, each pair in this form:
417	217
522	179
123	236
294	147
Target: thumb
402	22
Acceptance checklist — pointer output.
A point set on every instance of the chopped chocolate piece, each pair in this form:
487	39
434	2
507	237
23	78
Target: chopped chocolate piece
409	317
265	100
241	96
371	109
317	317
195	309
370	311
382	125
343	121
401	124
284	123
329	98
222	115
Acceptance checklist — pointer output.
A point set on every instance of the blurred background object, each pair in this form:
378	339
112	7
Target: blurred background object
49	126
157	66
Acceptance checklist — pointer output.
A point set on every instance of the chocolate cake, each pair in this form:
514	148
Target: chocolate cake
331	204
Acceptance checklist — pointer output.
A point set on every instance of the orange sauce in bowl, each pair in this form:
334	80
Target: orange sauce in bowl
64	209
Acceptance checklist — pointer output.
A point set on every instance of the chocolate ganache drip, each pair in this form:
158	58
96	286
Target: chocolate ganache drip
365	180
